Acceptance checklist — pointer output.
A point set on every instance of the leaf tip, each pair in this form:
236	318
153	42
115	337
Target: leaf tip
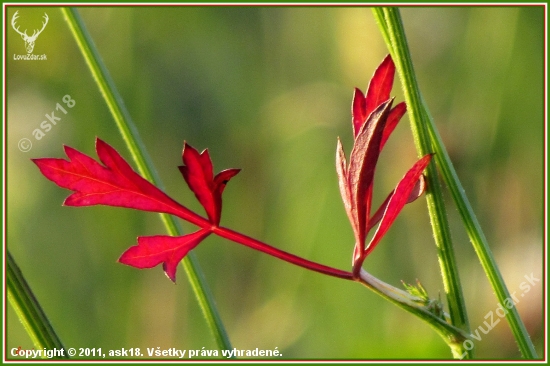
169	268
99	143
388	60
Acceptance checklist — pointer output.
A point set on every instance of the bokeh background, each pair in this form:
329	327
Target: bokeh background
269	90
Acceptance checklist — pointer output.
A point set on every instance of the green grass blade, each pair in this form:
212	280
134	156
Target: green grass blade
29	311
146	169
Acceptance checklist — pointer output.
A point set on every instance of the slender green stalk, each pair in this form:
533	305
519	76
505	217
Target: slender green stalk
392	29
29	311
479	242
145	166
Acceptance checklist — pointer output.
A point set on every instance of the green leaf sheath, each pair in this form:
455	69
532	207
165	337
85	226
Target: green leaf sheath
29	311
453	336
145	167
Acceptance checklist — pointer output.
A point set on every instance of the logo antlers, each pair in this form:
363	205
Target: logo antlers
29	41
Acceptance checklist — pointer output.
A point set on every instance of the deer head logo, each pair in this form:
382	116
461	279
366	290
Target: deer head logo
29	40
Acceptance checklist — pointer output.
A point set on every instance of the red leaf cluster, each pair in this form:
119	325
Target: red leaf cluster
115	183
373	121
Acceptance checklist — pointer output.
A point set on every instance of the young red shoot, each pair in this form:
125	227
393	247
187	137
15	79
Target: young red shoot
113	182
373	121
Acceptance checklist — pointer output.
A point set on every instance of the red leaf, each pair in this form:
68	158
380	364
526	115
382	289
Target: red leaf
358	111
378	91
363	159
221	179
114	184
417	191
398	199
393	119
170	250
343	182
380	85
198	174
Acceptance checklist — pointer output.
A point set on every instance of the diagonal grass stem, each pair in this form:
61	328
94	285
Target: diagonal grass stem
29	311
145	167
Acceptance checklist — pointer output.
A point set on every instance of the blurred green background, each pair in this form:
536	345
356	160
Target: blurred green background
269	90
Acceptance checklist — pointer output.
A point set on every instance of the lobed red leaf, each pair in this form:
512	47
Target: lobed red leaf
113	184
198	173
169	250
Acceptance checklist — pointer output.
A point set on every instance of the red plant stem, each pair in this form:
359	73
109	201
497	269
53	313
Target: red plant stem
186	214
239	238
278	253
